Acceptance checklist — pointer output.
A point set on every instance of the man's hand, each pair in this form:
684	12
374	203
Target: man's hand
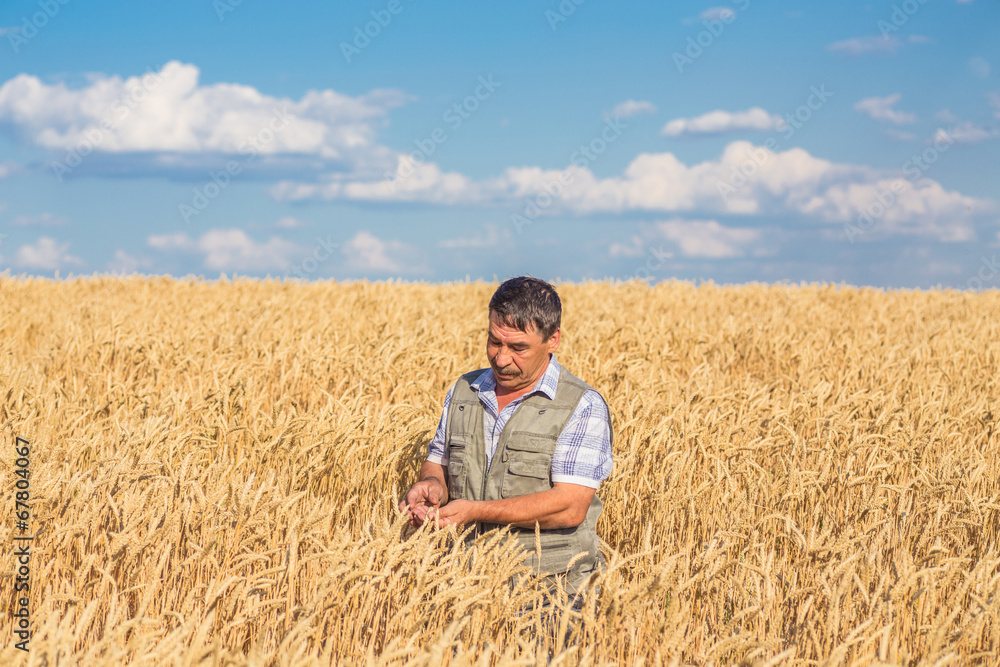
456	513
426	495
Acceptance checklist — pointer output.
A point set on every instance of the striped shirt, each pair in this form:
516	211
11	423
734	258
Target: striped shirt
583	450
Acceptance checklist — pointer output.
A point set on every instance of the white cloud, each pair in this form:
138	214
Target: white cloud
231	250
965	132
491	239
702	239
902	207
858	46
633	248
946	116
366	252
41	220
289	222
707	238
995	103
900	135
46	254
9	168
178	241
790	182
717	122
630	108
881	108
125	264
171	111
718	14
413	181
980	67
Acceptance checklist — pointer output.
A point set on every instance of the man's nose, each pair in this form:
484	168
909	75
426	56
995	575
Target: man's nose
502	359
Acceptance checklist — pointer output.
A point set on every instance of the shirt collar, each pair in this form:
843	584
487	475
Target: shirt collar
546	384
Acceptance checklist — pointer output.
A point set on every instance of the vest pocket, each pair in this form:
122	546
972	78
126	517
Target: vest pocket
524	442
455	479
555	555
524	477
457	469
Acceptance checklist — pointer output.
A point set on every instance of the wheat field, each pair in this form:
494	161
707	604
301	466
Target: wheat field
804	475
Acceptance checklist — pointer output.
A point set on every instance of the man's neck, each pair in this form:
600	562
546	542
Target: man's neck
508	395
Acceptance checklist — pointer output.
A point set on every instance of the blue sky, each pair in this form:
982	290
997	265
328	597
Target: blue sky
738	141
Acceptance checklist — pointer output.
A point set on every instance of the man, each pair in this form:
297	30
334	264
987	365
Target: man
521	443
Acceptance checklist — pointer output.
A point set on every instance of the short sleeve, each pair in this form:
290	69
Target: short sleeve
583	450
437	452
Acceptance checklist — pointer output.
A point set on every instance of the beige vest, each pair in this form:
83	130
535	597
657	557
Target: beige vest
521	465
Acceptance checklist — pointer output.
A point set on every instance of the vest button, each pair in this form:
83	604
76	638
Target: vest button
505	457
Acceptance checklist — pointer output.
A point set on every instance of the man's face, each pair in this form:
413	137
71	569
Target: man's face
518	358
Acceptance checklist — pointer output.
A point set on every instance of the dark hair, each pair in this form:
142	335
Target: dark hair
525	303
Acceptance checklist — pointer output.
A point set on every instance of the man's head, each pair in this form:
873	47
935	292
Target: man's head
525	314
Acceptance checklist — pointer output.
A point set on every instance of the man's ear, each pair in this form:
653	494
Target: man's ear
554	341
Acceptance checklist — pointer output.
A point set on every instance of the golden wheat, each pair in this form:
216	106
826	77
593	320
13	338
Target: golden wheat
804	475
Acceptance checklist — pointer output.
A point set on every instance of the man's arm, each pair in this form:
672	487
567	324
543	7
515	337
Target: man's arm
562	506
